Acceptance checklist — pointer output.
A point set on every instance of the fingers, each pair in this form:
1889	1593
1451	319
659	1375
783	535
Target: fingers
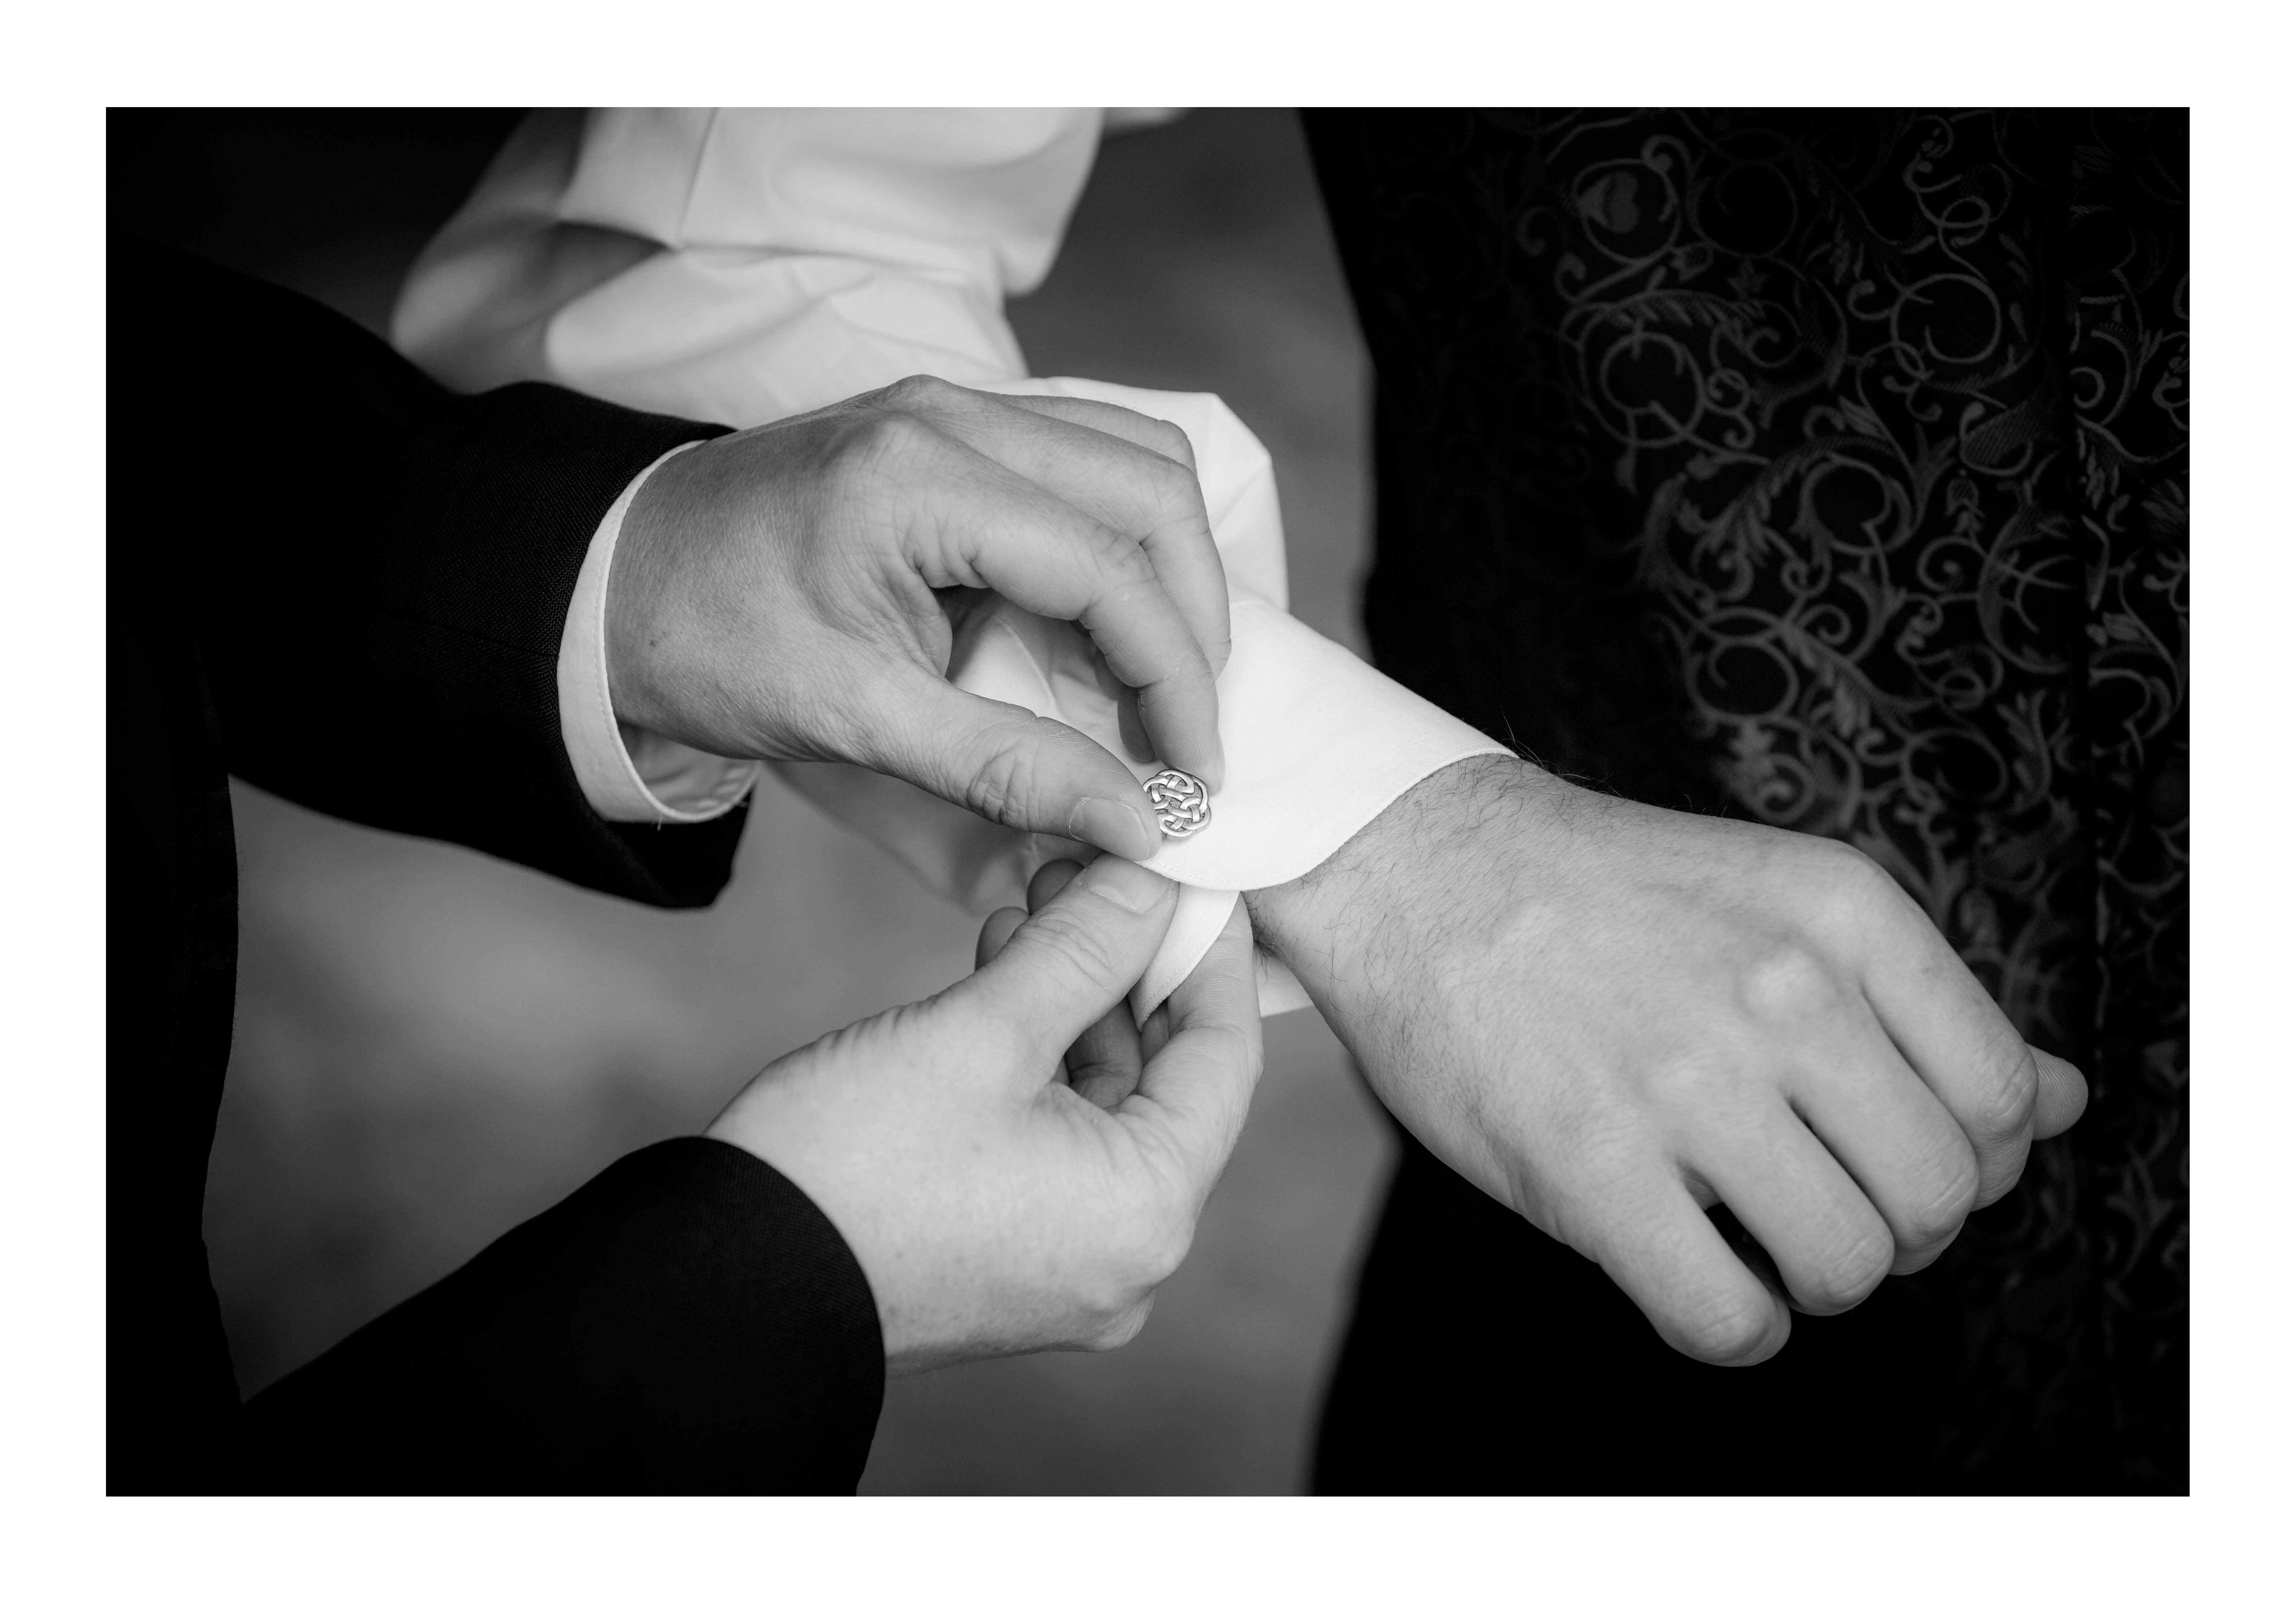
1884	1125
1053	560
996	930
1050	880
1829	1245
1166	440
1699	1297
1953	1035
1155	1030
2063	1096
1103	1064
1134	474
1006	764
1222	990
1197	1089
1072	961
967	519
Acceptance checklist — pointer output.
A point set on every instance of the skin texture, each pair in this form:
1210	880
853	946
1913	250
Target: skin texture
994	1205
1611	1018
789	591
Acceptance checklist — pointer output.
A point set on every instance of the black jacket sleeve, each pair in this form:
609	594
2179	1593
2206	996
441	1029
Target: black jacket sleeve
330	577
376	570
686	1322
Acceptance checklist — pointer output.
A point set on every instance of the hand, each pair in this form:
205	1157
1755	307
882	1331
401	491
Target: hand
1610	1018
787	592
999	1201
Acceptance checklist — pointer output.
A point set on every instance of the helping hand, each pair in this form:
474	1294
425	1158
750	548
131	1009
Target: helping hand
786	592
1610	1018
997	1201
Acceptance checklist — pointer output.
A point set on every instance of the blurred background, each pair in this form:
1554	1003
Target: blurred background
432	1046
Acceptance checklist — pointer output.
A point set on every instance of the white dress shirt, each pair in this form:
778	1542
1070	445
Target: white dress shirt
745	266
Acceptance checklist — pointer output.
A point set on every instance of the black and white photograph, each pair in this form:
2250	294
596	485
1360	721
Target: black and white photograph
1482	807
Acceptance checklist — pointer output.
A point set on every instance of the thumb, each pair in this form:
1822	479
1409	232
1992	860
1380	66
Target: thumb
2063	1096
1199	1085
1073	960
1010	766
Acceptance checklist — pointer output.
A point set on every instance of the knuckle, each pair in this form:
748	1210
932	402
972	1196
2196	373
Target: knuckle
1854	1268
885	438
916	392
1853	887
1001	780
1142	1247
1853	872
1078	954
1946	1202
1178	492
1727	1329
1115	1296
1114	1330
1169	439
1911	1260
2009	1087
2000	1178
1791	982
1125	565
1165	1248
1995	1105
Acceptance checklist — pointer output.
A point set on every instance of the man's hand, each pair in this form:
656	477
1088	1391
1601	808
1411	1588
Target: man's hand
998	1201
1611	1018
787	592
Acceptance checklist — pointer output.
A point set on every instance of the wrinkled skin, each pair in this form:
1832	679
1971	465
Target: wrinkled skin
995	1205
787	592
1611	1018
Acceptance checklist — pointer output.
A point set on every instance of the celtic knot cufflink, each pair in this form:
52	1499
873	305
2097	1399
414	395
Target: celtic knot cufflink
1183	806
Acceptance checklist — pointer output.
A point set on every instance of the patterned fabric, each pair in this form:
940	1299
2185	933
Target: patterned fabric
1829	469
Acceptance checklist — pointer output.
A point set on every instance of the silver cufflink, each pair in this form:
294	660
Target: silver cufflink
1183	806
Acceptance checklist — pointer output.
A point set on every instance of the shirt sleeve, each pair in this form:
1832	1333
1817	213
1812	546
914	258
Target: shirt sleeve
745	267
1318	742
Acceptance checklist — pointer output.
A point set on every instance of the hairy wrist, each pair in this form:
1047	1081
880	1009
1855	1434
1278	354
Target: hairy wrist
1347	926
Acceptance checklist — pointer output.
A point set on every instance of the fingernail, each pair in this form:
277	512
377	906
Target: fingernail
1113	827
1128	884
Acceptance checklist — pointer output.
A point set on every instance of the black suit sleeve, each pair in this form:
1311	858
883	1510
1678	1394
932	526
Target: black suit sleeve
686	1322
330	577
377	571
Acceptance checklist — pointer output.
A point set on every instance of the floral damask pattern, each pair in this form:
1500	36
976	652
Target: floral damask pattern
1829	469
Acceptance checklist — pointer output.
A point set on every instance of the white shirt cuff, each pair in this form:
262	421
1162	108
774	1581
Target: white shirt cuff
1319	743
628	774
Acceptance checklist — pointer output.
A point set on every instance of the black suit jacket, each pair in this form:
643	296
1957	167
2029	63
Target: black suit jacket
335	579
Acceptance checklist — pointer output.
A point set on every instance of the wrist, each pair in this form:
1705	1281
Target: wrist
641	649
1348	927
774	1122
